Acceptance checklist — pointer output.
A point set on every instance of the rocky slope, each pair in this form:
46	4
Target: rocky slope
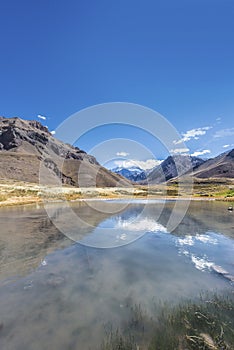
218	167
29	152
173	167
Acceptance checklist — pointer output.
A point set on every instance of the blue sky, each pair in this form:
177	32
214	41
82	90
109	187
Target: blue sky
176	57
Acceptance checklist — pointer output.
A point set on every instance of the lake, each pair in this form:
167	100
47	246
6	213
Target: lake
61	292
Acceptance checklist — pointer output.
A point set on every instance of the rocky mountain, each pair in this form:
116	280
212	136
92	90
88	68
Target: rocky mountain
172	167
29	152
221	166
218	167
134	174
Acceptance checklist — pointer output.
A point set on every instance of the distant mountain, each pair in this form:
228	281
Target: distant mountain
133	173
172	167
218	167
29	151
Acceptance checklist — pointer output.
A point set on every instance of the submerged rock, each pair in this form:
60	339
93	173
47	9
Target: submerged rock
224	273
208	341
55	281
219	270
230	277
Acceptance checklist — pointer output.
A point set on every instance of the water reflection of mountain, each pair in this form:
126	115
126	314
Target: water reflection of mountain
202	235
80	288
201	217
28	235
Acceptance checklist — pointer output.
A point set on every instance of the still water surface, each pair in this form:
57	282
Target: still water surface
59	294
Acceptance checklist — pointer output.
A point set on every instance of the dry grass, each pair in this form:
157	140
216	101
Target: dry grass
13	192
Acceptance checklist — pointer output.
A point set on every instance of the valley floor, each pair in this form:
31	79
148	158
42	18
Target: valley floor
17	193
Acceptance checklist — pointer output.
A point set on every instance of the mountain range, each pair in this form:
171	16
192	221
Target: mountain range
221	166
172	167
133	173
29	152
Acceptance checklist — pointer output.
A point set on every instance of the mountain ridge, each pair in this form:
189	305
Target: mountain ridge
217	167
29	152
221	166
133	173
173	166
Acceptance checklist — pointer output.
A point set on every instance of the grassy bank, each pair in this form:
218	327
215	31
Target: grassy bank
12	192
206	324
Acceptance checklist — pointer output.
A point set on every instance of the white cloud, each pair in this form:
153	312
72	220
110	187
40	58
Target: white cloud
179	150
145	165
53	132
226	146
187	240
200	153
192	134
200	263
224	133
122	154
142	224
218	119
41	117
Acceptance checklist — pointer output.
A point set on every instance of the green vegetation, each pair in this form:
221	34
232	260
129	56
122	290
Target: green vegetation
230	193
116	341
227	195
204	325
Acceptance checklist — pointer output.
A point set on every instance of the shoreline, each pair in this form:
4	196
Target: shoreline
23	193
29	201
